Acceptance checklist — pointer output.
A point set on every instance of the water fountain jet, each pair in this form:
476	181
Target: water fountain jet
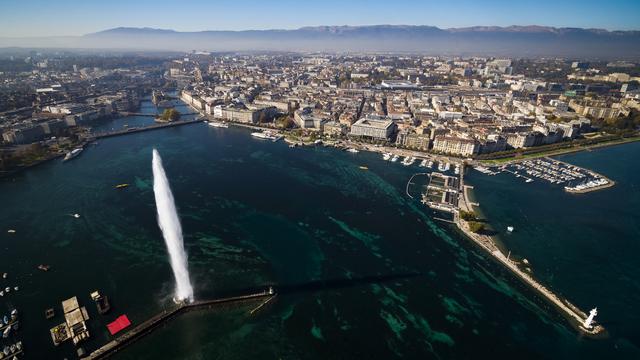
169	223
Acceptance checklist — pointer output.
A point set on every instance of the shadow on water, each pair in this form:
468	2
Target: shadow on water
329	284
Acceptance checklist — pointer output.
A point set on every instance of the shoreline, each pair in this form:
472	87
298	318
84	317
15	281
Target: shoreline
487	243
542	154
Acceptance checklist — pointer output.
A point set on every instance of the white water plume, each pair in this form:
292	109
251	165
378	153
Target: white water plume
171	230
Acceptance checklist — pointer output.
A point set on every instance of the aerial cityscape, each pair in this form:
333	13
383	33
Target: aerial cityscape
275	180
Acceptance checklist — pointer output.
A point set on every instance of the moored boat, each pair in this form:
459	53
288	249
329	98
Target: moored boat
218	124
72	154
266	135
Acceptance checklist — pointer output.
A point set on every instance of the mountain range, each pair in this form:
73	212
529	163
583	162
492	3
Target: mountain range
519	41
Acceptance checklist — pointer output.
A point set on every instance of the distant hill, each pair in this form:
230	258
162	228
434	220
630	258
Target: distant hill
479	40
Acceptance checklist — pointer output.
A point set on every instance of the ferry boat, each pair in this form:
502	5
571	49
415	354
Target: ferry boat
72	154
266	135
218	124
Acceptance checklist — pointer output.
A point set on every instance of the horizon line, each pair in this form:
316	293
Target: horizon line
329	26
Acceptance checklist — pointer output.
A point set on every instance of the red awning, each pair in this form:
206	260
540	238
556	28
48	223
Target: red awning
120	323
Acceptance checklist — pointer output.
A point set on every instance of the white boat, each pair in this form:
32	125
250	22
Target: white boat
395	158
218	124
510	229
430	164
423	163
266	135
352	150
386	156
408	160
441	167
447	166
72	154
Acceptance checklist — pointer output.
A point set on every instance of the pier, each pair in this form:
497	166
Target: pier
156	321
411	183
134	130
570	311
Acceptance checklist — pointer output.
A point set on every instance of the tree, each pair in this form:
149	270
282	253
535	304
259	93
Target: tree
170	115
476	227
467	215
285	122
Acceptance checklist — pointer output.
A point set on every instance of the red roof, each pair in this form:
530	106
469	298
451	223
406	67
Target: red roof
120	323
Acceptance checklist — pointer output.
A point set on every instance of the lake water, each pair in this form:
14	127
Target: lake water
364	271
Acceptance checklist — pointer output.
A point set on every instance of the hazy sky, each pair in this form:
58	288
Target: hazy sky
76	17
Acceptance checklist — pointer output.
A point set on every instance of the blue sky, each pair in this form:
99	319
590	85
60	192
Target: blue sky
76	17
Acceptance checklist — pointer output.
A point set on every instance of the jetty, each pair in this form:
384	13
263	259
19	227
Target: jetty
165	316
578	318
411	183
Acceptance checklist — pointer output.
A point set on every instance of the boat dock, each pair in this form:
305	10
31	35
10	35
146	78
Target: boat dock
411	183
576	316
442	193
156	321
145	128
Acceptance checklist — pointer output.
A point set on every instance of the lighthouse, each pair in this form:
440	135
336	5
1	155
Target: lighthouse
587	323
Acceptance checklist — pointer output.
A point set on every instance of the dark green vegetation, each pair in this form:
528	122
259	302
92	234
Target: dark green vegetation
170	115
467	215
476	227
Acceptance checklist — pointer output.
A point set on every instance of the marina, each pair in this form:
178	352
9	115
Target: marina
573	178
